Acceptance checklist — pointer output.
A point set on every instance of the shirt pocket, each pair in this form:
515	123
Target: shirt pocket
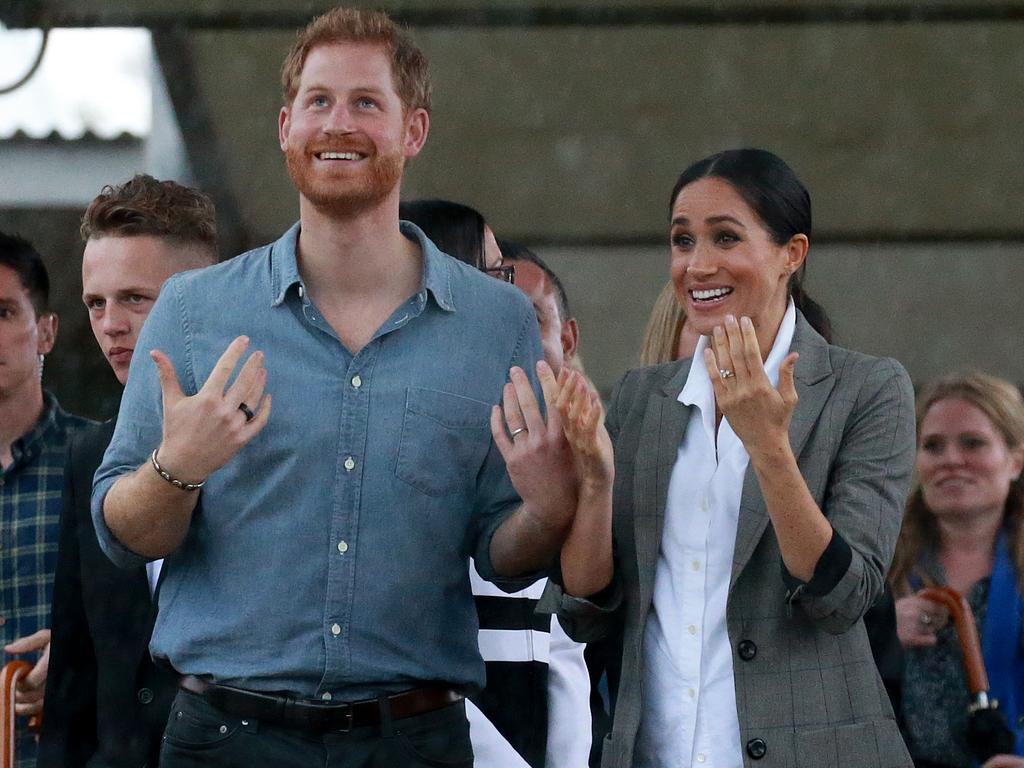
444	440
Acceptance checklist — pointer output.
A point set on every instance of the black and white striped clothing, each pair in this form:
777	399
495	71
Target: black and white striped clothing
535	710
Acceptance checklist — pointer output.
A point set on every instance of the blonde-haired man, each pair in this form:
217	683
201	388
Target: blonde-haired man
316	599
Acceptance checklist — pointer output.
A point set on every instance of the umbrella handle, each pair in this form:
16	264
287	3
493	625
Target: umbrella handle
9	676
967	631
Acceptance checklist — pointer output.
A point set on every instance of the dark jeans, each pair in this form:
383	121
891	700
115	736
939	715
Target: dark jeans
198	734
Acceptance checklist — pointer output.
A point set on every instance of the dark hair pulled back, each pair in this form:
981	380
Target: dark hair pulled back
456	229
779	199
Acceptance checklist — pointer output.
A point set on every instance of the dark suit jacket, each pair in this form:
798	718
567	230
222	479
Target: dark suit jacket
106	702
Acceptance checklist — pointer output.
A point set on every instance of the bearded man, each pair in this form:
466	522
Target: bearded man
315	596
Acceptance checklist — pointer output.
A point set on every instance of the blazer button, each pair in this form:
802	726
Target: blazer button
145	696
747	649
757	749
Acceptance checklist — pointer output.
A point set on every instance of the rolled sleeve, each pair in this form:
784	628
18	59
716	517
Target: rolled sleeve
828	571
140	418
584	619
497	499
864	501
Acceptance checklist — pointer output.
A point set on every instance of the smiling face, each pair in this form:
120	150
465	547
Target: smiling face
963	462
724	261
121	279
24	336
346	135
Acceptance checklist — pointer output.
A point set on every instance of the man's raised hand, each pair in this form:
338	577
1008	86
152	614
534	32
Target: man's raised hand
536	453
202	432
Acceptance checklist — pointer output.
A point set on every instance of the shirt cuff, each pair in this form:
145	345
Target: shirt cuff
485	568
119	554
829	570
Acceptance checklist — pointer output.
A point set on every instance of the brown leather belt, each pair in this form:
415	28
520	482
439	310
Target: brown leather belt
318	716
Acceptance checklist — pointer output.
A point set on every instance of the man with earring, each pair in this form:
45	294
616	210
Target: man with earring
34	434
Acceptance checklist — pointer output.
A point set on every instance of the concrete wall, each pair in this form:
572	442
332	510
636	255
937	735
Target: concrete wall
567	121
576	135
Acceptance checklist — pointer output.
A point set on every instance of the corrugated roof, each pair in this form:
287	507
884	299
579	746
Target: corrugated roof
91	83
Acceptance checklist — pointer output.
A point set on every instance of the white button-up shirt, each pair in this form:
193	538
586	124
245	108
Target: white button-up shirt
689	716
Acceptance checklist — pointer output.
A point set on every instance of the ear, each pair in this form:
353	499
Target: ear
1017	457
570	337
417	126
283	125
46	327
796	252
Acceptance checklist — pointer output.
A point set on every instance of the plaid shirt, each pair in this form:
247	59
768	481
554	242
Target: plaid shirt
30	505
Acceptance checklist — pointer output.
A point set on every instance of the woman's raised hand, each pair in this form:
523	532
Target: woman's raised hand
582	419
918	620
758	413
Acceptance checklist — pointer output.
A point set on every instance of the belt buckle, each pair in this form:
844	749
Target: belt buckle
348	720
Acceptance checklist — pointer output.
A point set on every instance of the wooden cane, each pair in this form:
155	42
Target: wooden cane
970	644
9	676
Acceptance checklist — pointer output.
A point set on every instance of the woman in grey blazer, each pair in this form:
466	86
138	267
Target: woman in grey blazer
756	499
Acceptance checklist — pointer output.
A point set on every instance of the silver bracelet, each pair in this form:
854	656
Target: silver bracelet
173	480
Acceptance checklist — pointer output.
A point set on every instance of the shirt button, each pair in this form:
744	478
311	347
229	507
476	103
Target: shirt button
692	629
700	757
335	629
145	696
343	547
326	696
693	693
703	505
302	290
350	463
696	565
357	381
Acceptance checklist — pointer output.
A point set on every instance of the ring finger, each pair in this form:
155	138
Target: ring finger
726	370
513	413
254	395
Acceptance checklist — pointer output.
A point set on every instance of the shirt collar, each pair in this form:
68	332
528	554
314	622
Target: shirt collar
698	390
436	266
27	447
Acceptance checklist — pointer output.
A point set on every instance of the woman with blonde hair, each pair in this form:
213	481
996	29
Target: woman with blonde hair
962	529
667	337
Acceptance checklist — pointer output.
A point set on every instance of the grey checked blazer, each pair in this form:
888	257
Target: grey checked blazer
807	691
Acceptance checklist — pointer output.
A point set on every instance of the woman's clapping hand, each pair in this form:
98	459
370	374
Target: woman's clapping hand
583	423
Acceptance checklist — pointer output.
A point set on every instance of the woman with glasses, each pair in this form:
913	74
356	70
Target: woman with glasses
745	522
535	709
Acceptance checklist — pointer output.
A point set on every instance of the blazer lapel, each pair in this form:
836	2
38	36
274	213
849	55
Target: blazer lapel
662	431
814	381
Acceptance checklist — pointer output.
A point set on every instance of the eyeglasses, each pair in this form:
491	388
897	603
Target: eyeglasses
506	273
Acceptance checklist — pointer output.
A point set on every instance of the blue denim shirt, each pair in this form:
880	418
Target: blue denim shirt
330	555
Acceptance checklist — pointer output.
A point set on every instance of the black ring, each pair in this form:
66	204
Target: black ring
249	415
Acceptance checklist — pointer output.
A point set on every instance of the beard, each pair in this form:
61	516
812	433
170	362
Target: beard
345	197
